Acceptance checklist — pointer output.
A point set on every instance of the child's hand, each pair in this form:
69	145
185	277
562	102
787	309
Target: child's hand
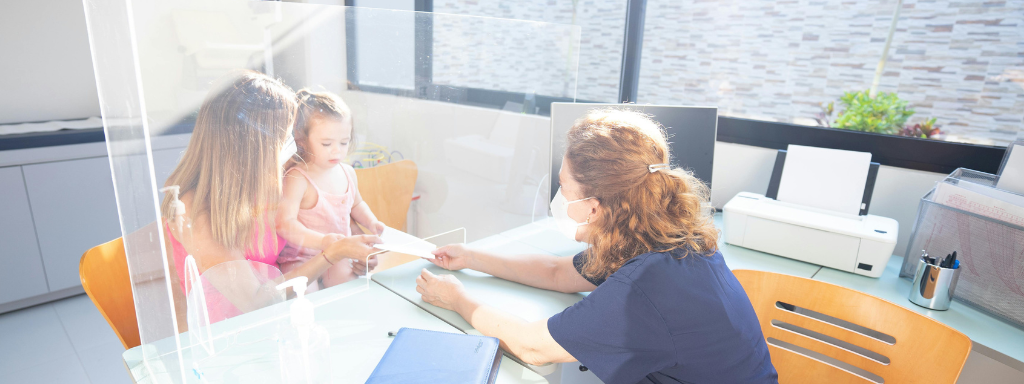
378	228
371	263
330	238
360	267
352	247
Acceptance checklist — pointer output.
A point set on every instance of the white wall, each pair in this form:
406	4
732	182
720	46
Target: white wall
742	168
52	78
45	70
496	183
418	128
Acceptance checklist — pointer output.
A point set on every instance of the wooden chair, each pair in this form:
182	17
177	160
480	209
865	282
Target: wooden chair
104	274
388	190
823	333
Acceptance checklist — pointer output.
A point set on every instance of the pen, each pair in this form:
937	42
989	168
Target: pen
954	258
956	264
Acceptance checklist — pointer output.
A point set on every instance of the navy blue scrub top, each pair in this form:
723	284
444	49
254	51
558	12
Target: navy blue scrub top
663	318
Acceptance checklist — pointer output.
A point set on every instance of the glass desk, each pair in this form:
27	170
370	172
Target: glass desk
358	324
992	337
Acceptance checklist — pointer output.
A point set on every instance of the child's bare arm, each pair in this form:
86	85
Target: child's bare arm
288	225
361	214
361	211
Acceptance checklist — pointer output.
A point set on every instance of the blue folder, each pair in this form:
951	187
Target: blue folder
431	357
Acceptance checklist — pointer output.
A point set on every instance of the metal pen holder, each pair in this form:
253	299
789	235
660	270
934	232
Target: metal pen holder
933	286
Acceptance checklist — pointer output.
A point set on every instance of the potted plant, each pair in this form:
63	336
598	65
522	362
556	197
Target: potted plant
883	113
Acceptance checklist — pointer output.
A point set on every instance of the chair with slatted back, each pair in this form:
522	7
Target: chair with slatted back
104	274
388	190
823	333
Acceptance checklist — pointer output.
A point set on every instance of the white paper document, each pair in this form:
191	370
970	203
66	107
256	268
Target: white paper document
824	178
401	242
408	250
1011	177
970	200
995	193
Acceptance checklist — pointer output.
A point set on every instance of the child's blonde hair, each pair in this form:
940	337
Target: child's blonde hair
313	106
231	164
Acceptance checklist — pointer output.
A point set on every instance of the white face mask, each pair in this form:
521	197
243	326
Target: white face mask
287	151
560	209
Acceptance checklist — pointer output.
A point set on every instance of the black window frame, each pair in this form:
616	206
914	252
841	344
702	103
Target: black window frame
890	150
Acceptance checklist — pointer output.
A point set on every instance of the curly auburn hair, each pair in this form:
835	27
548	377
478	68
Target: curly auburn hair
608	152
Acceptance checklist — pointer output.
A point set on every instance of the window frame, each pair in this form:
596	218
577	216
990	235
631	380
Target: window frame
890	150
895	151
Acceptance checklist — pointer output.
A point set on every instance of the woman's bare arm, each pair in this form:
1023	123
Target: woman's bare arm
242	287
549	272
531	342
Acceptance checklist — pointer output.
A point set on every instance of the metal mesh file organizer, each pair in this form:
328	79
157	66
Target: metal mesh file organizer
965	213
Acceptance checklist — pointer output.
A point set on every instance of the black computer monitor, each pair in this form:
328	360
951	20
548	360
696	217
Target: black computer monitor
691	134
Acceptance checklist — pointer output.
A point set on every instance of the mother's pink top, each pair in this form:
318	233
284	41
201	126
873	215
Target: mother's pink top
217	305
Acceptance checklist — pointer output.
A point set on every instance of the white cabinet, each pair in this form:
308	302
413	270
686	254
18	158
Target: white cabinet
56	203
164	161
74	209
22	273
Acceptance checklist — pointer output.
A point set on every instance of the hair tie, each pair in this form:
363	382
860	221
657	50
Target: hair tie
657	167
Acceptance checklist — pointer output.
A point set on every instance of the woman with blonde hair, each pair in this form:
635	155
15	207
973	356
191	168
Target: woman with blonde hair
229	181
664	307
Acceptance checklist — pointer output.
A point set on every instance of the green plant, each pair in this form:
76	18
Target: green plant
923	130
884	113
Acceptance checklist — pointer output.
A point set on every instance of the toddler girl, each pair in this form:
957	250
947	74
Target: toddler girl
320	197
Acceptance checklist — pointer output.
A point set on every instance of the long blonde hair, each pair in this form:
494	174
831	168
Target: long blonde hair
231	164
608	153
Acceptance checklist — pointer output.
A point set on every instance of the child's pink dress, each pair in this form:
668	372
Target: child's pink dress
331	214
218	306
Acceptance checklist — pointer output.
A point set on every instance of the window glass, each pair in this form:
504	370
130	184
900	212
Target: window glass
600	57
957	62
389	42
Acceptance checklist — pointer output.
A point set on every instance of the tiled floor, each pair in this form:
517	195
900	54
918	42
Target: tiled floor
66	341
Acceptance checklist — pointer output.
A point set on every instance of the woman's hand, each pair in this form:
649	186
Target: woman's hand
351	247
444	291
452	257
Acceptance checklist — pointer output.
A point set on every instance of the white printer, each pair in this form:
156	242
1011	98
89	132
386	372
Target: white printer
848	241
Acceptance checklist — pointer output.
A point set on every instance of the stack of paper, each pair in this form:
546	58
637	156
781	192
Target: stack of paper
824	178
1011	176
981	200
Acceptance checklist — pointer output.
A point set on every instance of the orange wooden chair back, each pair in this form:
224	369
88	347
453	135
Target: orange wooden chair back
388	190
873	340
104	274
